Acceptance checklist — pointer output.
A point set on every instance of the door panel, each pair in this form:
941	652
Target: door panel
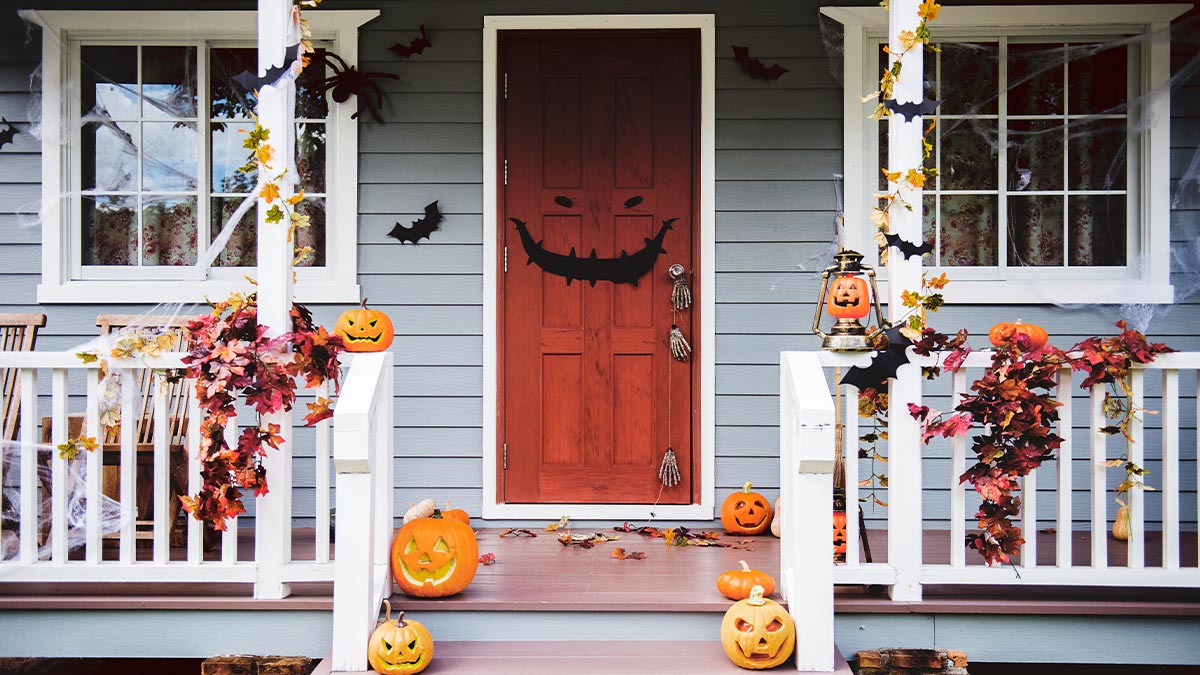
599	133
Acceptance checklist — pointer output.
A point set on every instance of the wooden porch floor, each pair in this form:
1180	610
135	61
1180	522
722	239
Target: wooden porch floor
540	574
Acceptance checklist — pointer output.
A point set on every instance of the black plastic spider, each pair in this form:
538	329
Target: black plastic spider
348	81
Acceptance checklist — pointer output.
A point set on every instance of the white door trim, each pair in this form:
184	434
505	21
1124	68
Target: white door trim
705	342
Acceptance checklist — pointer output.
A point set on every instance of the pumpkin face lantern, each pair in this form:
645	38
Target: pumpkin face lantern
399	647
839	536
365	330
746	512
849	298
757	633
434	557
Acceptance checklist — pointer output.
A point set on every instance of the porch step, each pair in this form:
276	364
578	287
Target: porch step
562	657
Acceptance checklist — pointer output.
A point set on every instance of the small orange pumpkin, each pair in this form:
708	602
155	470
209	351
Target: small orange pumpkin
746	512
365	330
849	298
434	557
757	633
1006	334
736	584
401	647
456	514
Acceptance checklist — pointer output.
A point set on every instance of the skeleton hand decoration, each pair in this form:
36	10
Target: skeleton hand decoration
668	473
680	349
681	295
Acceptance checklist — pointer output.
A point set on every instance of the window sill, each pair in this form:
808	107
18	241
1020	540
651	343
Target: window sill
1058	292
190	292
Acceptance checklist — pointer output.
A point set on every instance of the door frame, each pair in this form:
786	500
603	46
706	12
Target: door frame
706	339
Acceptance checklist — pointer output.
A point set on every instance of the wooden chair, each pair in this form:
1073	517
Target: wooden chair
18	333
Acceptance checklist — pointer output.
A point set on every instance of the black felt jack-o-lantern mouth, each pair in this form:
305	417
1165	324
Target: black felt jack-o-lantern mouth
360	334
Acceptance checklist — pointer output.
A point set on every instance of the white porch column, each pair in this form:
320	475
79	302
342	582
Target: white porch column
904	446
276	106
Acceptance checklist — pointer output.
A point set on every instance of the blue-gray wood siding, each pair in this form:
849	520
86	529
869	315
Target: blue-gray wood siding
778	149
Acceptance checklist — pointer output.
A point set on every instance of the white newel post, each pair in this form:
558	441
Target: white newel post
904	446
276	104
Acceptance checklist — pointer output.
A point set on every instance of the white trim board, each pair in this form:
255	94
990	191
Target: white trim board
705	341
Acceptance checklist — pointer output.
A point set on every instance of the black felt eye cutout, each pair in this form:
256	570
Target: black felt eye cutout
564	202
633	201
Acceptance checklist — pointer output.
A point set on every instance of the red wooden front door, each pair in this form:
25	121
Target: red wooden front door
600	137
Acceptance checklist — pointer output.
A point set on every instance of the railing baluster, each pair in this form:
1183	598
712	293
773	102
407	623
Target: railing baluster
59	432
29	466
162	478
195	529
1064	525
1170	469
1029	519
129	505
229	538
322	473
1136	498
958	465
95	468
850	461
1099	491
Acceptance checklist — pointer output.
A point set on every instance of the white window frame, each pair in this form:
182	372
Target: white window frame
62	32
1146	279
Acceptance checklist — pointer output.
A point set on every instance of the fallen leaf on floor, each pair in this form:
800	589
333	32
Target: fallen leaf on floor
517	532
560	525
487	559
620	554
568	540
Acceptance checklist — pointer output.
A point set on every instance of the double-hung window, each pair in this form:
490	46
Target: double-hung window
143	129
1052	145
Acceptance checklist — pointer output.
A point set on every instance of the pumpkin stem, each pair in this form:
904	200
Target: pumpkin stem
387	617
746	487
437	513
363	304
400	622
745	567
755	599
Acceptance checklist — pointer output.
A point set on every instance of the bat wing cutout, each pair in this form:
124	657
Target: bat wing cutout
908	248
421	228
633	201
253	82
910	110
884	363
6	136
626	268
417	46
756	68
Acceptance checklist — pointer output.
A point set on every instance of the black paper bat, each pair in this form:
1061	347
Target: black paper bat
6	136
910	110
756	68
884	364
624	269
633	201
417	46
908	248
253	82
421	228
564	202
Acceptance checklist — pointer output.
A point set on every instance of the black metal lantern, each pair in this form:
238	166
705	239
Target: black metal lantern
845	296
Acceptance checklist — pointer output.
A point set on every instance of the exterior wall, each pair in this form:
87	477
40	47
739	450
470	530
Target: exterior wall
778	149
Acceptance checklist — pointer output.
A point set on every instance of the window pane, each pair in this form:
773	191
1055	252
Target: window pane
169	231
969	230
970	78
929	223
1097	230
169	159
108	156
1035	231
968	155
310	97
229	99
241	250
310	156
1035	155
1097	154
1099	79
314	235
109	87
110	231
168	82
228	155
1035	79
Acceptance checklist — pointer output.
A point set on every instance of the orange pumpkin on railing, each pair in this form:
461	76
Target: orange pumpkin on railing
365	330
1006	334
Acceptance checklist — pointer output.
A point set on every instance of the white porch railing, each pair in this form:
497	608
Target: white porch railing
41	474
804	415
363	457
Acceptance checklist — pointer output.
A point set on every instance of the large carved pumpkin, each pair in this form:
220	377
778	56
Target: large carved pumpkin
365	330
434	557
399	647
757	633
746	512
848	298
737	584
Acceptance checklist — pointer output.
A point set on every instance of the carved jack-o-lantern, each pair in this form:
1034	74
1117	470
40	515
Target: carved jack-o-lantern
757	633
399	647
365	330
839	536
849	298
434	557
746	512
